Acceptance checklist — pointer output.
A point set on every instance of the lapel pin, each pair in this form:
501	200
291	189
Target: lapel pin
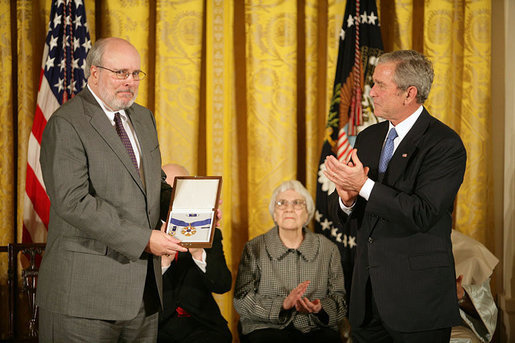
404	155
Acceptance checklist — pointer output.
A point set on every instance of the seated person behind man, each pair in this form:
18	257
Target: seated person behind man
190	312
474	266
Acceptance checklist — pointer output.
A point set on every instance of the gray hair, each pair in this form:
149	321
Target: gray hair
412	69
297	187
95	55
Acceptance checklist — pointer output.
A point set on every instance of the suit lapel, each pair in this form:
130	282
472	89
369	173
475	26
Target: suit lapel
102	125
406	149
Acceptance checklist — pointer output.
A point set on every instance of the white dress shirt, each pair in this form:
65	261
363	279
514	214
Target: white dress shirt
402	130
126	125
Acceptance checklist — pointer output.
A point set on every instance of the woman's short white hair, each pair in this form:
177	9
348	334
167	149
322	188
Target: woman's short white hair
297	187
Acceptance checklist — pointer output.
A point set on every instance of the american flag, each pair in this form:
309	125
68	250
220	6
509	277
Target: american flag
351	110
62	76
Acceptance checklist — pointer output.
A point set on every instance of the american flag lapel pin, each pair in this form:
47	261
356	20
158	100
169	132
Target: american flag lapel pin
404	155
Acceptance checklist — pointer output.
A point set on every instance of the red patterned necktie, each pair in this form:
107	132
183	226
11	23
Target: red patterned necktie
125	139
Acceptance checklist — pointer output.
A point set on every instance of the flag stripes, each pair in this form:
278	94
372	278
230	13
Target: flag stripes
62	76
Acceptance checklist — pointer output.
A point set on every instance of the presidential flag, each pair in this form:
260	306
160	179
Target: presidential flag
62	76
351	111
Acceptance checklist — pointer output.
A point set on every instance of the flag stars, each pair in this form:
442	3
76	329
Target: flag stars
352	242
318	216
53	42
72	88
59	85
67	21
372	18
350	21
75	63
78	3
78	22
62	65
59	3
49	63
76	43
342	34
364	17
57	20
87	45
326	224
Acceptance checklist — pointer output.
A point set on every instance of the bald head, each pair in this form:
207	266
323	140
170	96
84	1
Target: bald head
96	54
172	170
113	66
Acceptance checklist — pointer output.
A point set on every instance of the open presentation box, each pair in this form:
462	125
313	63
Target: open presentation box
192	213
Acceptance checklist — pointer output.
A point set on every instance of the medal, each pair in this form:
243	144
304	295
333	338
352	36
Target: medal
188	229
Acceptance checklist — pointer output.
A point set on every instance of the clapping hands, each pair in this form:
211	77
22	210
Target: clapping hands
301	304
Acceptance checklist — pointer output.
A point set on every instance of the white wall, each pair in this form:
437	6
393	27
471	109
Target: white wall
503	128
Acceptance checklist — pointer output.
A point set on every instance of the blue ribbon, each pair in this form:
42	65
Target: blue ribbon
182	223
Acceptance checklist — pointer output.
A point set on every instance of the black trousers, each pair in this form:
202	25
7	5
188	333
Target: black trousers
374	329
189	330
292	335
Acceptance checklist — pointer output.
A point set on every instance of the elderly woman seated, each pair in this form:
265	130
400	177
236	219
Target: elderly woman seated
290	285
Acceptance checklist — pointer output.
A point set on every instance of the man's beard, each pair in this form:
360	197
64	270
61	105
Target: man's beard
114	103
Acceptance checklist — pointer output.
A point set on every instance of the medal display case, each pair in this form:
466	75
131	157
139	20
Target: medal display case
192	213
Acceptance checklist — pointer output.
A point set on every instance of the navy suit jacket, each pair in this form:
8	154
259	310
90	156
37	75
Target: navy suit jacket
404	237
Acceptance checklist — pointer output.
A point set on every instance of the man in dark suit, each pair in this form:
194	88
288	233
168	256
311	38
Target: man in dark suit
399	187
100	278
190	313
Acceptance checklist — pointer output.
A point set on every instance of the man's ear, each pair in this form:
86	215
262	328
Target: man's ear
411	95
93	75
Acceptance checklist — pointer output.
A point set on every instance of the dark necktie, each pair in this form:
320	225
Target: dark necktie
125	139
386	154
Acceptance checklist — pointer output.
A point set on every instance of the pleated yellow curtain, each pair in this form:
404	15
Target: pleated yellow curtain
462	51
219	122
241	89
271	63
6	136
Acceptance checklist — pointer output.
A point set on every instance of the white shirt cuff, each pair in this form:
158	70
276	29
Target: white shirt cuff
346	209
201	264
366	190
164	269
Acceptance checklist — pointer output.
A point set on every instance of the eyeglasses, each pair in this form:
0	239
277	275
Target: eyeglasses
297	204
123	74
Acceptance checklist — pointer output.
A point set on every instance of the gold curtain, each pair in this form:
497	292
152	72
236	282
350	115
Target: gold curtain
241	89
7	146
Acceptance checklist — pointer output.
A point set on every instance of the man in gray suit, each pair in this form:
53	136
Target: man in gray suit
100	278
